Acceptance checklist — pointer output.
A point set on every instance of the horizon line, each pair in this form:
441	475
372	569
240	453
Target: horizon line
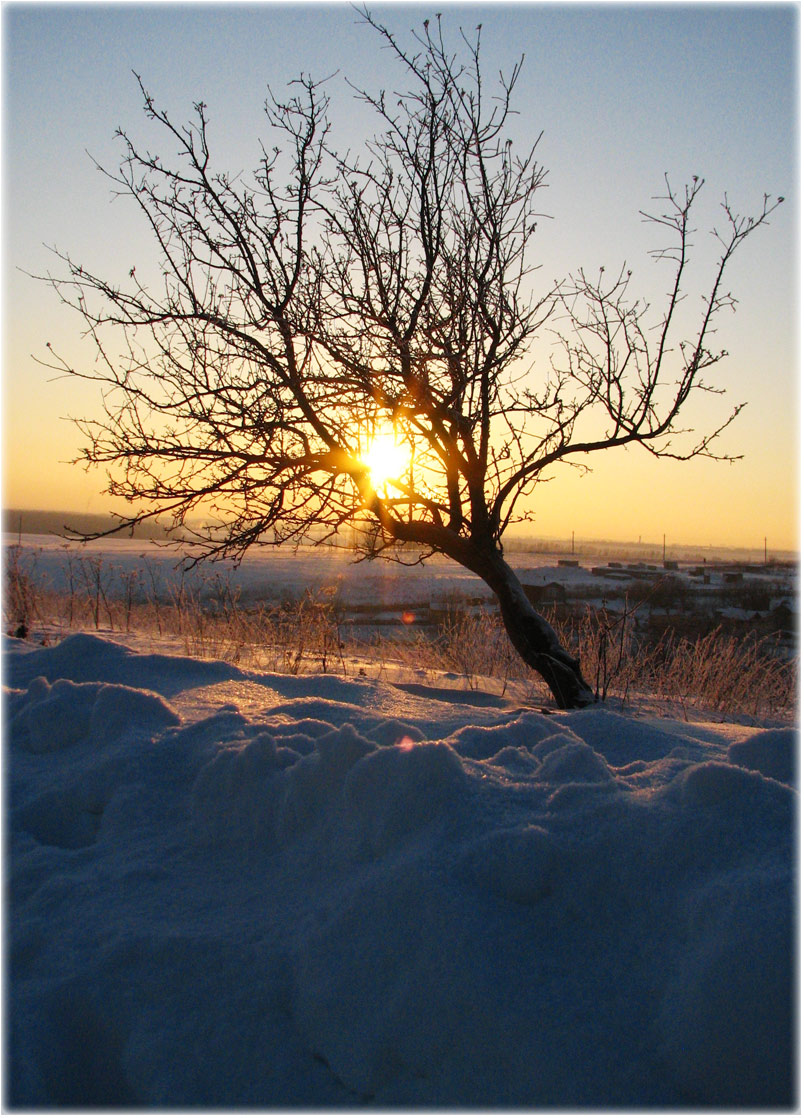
572	539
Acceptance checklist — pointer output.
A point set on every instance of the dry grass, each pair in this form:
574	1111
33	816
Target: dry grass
472	645
721	672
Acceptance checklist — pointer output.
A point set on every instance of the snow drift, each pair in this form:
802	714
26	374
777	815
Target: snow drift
230	890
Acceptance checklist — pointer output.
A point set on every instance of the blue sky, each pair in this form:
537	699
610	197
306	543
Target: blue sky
622	95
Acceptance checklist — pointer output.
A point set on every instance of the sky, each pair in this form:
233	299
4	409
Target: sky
622	94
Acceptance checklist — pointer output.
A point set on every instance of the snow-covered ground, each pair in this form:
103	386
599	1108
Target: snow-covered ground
233	890
272	574
265	574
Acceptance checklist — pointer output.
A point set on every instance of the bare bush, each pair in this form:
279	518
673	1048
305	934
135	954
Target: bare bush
21	596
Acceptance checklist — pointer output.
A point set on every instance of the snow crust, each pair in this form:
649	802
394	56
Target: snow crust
360	895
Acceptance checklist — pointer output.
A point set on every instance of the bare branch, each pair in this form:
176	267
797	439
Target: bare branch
295	312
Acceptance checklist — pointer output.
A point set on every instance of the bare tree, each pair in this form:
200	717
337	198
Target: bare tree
332	297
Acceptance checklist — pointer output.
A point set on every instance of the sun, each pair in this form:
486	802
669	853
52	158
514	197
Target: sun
386	458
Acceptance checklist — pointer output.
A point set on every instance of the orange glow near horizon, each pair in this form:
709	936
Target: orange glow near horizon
594	204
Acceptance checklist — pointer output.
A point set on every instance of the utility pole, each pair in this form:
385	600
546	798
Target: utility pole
766	551
573	543
664	548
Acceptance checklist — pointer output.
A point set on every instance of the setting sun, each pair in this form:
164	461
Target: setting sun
386	458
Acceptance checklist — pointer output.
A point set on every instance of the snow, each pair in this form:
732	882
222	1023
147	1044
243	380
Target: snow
278	573
231	890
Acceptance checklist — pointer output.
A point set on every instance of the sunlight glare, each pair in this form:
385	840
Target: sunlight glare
385	458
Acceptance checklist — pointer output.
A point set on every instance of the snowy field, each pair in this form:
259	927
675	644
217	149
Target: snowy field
266	574
368	592
229	890
273	574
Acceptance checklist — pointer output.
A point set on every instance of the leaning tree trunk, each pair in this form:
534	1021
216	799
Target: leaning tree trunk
534	638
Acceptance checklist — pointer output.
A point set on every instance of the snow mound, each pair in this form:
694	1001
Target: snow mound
393	793
575	762
774	753
357	896
47	718
83	657
522	864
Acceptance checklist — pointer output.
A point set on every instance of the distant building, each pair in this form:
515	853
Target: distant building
542	595
783	614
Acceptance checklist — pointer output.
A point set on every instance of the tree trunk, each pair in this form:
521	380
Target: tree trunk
534	638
